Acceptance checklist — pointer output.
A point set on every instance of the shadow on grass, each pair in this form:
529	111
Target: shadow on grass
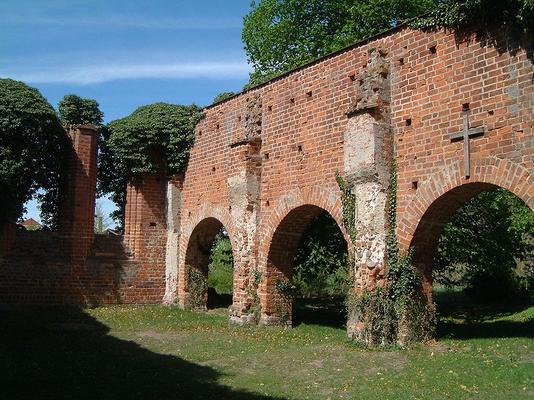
65	353
216	300
324	312
463	317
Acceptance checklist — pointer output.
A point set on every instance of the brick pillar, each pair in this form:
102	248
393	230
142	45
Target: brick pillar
77	211
145	234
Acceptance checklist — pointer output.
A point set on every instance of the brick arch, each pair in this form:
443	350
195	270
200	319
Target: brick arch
280	239
439	197
327	198
197	236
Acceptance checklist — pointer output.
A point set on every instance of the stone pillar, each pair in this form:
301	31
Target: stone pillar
77	210
244	189
174	204
368	153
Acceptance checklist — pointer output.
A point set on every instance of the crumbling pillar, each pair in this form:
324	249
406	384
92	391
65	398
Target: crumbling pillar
77	209
368	153
244	189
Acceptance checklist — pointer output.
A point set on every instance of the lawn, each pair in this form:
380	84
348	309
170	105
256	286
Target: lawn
156	352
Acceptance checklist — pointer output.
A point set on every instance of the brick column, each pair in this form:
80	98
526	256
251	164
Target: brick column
77	211
145	234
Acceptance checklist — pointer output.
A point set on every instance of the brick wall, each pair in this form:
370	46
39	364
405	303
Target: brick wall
307	122
270	155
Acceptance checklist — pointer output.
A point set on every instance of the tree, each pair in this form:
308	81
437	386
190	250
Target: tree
32	145
280	35
487	247
221	267
102	222
321	260
154	138
223	96
481	16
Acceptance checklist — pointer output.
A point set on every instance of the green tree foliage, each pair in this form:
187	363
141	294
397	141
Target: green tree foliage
32	144
221	267
75	110
154	138
223	96
320	266
516	16
488	247
280	35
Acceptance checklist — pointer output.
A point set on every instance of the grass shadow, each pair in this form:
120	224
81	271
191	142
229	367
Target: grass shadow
324	312
464	317
58	353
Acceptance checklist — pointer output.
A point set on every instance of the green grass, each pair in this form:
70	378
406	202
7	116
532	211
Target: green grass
155	352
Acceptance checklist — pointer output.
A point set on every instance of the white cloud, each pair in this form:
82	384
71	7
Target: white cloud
91	74
125	21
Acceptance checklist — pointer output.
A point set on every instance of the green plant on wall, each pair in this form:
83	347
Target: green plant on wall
197	287
285	290
398	312
254	308
348	203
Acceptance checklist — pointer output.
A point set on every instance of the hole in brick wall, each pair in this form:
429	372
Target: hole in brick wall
309	94
414	184
401	61
266	156
360	82
239	118
153	224
189	214
491	112
270	108
292	100
432	49
352	77
267	203
408	122
465	107
229	208
199	133
384	75
218	126
213	169
299	148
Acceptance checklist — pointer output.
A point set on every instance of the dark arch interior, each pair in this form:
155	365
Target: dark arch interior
294	258
205	241
475	248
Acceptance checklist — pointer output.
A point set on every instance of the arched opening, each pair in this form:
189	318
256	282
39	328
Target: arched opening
306	270
209	266
475	248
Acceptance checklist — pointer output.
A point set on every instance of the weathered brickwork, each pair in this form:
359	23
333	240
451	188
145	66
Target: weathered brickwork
264	164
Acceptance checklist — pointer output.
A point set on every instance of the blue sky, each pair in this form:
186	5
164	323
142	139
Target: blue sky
122	53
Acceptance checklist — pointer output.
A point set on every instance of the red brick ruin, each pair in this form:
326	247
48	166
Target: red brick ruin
264	164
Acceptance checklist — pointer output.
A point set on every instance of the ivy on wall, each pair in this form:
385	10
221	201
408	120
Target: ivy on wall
348	204
197	287
398	312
